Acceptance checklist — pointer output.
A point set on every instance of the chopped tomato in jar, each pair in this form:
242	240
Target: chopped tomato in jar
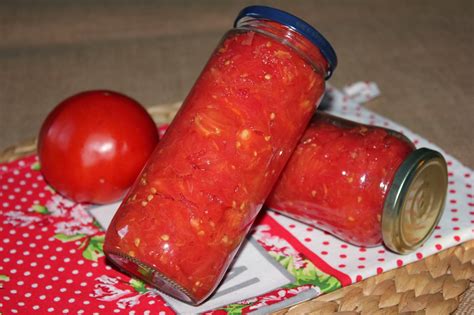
341	173
194	202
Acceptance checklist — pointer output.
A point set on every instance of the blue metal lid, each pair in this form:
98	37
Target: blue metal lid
298	25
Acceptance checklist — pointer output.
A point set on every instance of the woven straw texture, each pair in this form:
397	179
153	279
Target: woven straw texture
439	284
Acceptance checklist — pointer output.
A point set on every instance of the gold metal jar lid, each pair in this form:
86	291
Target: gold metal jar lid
415	201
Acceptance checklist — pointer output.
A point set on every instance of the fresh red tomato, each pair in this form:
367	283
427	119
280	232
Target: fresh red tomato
94	144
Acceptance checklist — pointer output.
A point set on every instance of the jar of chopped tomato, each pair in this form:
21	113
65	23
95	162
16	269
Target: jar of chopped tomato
363	184
194	202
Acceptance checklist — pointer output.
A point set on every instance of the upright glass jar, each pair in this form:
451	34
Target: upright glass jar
364	184
190	209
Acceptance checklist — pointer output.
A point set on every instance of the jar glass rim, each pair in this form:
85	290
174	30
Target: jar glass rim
297	24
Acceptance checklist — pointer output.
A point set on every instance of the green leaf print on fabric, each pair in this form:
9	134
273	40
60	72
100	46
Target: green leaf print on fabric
40	209
69	238
93	247
138	285
36	166
97	224
3	278
234	309
308	273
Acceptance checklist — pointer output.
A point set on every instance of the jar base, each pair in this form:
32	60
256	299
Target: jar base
152	276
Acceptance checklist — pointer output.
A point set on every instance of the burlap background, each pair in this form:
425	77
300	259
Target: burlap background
419	52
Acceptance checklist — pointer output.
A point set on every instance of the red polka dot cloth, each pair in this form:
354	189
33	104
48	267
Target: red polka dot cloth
51	258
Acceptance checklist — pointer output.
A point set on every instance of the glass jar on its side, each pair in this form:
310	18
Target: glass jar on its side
193	204
363	184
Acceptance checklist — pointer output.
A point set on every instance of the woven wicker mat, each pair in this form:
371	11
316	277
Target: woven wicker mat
439	284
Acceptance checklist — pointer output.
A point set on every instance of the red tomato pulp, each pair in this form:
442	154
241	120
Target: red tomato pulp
338	177
209	176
